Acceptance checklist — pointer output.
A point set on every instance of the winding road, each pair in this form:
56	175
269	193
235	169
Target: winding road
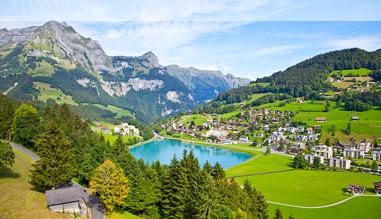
96	206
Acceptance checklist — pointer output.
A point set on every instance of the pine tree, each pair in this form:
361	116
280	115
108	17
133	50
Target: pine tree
55	166
278	214
374	166
218	173
207	206
110	184
174	191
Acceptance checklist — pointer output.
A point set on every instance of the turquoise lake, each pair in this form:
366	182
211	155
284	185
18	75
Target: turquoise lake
163	150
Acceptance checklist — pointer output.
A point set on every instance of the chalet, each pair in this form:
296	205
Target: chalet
214	114
339	162
105	130
244	139
320	119
247	132
67	199
355	189
317	127
295	150
291	129
353	152
377	154
377	187
355	118
310	158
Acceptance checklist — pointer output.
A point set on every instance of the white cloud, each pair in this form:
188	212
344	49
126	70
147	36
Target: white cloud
369	43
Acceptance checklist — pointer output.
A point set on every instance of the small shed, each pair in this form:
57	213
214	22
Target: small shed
377	187
355	118
320	119
67	199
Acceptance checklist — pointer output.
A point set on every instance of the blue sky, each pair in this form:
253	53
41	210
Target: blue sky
246	38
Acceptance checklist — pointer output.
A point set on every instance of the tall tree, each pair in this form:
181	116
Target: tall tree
55	166
174	191
110	184
7	111
299	161
218	173
317	162
26	125
374	166
7	157
349	128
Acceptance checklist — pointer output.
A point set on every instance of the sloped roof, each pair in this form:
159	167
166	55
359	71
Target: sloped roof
63	195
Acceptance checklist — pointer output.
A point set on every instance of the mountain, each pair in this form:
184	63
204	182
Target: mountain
55	56
307	79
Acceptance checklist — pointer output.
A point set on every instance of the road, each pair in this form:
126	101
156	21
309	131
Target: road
96	206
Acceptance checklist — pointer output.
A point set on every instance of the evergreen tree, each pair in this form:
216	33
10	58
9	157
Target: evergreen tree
317	162
207	167
218	173
278	214
349	128
7	111
174	191
207	207
374	166
257	203
7	157
268	150
55	166
110	184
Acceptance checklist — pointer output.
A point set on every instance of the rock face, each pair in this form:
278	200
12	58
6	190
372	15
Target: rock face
55	53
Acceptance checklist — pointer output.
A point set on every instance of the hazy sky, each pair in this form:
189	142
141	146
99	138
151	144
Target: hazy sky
246	38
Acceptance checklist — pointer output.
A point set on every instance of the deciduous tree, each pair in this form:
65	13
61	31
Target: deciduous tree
110	184
26	125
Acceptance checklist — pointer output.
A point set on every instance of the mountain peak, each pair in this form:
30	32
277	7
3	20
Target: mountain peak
151	58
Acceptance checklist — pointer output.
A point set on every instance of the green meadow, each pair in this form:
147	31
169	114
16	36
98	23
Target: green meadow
359	207
360	72
47	92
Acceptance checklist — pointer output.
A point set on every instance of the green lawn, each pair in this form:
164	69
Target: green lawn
120	214
46	92
295	107
367	127
17	198
119	111
359	207
308	187
260	164
360	72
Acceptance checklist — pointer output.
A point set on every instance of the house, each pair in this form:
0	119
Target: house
355	118
295	150
377	154
105	130
339	162
320	119
355	189
377	187
353	152
244	139
67	199
310	158
366	146
324	151
126	129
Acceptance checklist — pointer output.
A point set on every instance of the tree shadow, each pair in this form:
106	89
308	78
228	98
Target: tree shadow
8	173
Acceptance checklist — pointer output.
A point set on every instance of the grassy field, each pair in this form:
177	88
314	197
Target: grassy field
119	214
46	92
367	127
309	187
295	107
17	198
260	164
360	72
42	69
359	207
119	111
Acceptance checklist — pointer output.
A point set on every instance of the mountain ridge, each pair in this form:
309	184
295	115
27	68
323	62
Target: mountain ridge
56	54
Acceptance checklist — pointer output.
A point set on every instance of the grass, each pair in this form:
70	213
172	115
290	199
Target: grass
47	92
359	207
260	164
120	214
119	111
295	107
18	199
309	187
42	69
367	127
360	72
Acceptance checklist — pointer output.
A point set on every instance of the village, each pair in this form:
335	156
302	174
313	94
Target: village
274	129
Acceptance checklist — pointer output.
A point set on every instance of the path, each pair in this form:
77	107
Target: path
323	206
96	206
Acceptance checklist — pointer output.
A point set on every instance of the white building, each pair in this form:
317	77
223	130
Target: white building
324	151
126	129
377	154
310	158
353	152
339	162
366	146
